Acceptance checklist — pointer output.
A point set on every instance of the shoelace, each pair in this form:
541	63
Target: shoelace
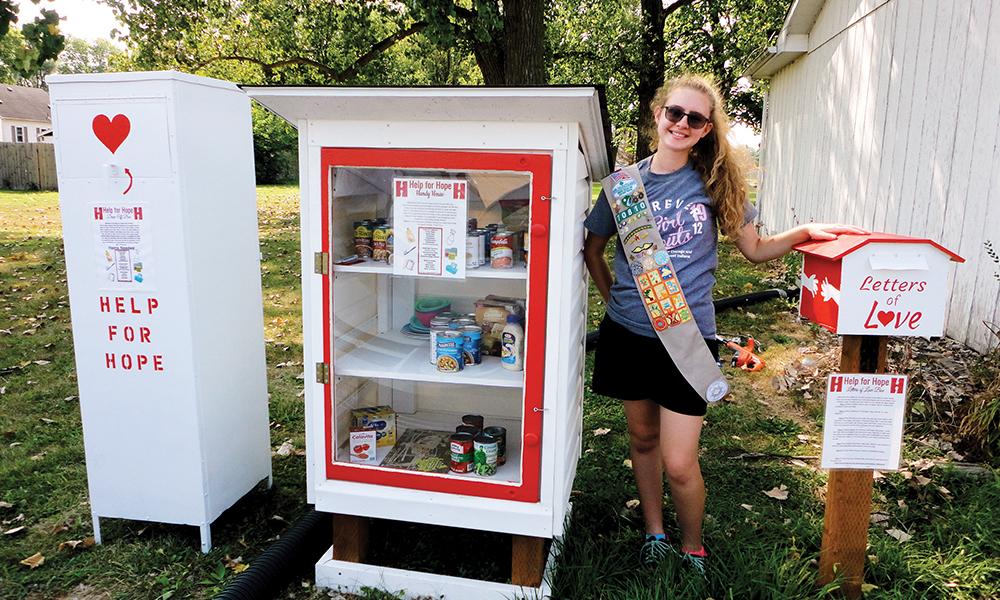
696	560
654	550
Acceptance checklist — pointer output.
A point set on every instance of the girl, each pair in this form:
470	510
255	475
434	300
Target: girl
693	182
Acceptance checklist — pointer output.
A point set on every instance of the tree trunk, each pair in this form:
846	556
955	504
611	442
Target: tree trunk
651	67
524	42
490	59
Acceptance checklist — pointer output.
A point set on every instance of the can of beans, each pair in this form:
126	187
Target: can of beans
473	421
363	239
462	449
500	435
485	452
467	429
502	250
472	338
449	351
438	324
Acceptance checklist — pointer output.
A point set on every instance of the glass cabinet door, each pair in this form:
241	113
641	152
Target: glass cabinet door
434	318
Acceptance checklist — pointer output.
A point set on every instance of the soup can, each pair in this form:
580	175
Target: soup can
500	434
502	250
474	421
363	239
379	237
485	452
449	352
462	450
472	338
471	250
438	324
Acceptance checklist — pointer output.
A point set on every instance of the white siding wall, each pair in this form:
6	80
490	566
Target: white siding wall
32	130
891	122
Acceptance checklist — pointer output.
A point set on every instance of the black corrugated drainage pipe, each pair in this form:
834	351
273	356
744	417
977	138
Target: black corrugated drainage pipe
297	550
720	305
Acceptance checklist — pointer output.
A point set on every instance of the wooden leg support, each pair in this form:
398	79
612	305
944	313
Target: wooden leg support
527	560
845	529
350	538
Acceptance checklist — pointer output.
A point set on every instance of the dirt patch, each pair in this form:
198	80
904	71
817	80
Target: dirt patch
80	592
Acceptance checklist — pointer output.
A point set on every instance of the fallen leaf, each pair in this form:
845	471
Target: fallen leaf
34	561
902	536
41	362
631	504
945	491
798	463
627	462
747	507
877	518
921	480
588	450
6	504
803	437
601	431
867	588
285	449
240	568
15	530
47	421
778	493
74	544
876	475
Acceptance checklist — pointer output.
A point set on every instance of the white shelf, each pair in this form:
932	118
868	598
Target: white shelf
395	356
508	473
485	272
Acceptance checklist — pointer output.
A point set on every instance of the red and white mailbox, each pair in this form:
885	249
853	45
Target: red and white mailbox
876	284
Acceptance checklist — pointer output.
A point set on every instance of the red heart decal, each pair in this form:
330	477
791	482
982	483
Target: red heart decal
111	132
885	317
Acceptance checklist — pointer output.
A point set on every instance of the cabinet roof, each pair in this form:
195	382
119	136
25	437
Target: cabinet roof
584	105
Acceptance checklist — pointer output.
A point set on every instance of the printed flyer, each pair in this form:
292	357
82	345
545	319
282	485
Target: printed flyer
429	219
123	243
863	424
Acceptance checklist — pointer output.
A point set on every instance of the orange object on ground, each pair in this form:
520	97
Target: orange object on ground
745	357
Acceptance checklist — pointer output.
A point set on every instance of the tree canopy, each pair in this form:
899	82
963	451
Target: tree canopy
25	54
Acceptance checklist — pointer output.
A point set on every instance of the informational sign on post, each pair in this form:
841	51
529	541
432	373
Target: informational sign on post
123	243
429	222
863	425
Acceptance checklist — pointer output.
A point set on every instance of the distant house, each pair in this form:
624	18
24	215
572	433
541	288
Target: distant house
24	114
883	114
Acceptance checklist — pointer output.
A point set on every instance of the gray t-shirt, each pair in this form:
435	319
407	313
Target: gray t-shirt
683	213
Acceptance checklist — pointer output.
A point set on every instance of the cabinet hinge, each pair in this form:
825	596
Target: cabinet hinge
322	373
321	263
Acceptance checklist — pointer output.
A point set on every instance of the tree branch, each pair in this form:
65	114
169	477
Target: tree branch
331	73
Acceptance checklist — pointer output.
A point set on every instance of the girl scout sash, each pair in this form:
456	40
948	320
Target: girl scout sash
659	289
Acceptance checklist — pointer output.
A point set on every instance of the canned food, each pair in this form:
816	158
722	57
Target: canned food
389	242
438	324
502	250
484	246
474	421
363	239
462	449
500	434
449	351
379	237
485	452
473	223
472	338
467	429
464	321
471	251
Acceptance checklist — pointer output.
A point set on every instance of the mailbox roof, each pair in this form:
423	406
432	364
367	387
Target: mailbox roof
847	243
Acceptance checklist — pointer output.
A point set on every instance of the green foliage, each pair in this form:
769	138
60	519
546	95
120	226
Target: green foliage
275	148
81	56
40	44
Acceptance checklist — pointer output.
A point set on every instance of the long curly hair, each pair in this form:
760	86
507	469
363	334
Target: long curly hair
719	165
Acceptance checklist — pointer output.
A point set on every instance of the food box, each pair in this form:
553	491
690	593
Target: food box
380	419
491	316
363	446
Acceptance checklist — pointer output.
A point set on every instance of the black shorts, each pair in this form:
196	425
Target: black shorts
621	357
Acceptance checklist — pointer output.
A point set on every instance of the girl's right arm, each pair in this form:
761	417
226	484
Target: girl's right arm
593	256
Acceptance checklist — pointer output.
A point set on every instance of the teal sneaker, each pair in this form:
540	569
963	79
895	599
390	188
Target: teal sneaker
696	560
654	550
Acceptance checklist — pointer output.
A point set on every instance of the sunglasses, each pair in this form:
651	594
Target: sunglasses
674	114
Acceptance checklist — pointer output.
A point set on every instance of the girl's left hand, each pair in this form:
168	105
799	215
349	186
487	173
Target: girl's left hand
830	231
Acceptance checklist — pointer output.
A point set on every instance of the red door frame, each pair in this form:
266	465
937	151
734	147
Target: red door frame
540	168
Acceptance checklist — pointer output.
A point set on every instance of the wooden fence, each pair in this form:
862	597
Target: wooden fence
27	166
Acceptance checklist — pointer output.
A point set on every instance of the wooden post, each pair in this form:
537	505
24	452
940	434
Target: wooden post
350	538
527	560
849	491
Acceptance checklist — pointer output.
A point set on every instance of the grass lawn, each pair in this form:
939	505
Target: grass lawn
764	437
